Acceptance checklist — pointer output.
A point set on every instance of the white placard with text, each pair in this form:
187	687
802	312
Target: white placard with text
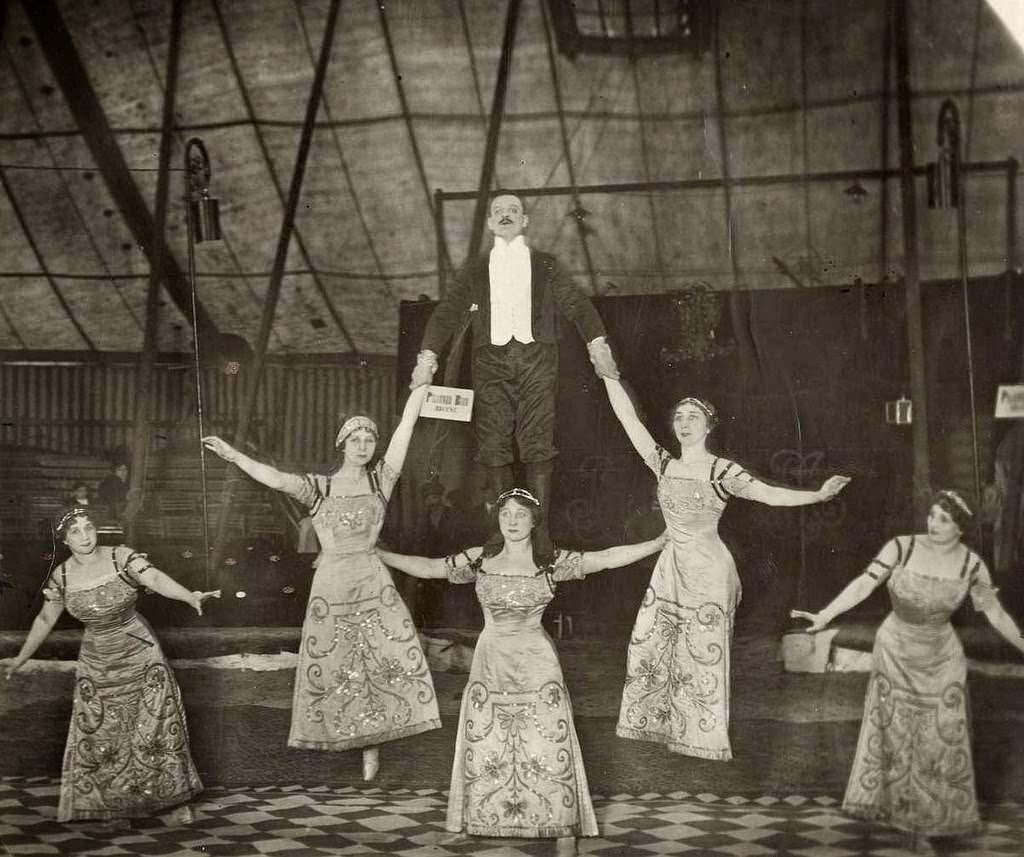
448	403
1010	401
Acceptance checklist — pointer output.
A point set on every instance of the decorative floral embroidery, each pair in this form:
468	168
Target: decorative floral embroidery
518	770
677	675
677	688
128	751
913	765
362	676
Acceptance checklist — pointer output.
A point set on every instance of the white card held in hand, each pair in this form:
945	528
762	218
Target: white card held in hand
448	403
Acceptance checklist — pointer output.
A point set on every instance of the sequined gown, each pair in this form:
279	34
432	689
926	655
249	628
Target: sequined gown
677	666
362	678
518	770
127	754
913	766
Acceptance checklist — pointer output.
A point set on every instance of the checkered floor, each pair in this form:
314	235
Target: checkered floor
296	820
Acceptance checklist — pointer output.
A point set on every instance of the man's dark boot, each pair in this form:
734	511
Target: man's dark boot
538	483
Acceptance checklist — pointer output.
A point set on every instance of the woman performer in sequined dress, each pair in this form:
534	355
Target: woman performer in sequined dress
677	669
913	767
362	678
518	770
127	754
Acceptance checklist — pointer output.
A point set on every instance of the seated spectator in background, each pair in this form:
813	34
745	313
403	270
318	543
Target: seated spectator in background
433	535
113	490
434	530
474	525
79	498
644	519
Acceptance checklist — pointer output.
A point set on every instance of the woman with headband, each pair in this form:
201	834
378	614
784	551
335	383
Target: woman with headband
518	771
912	768
362	678
127	754
677	668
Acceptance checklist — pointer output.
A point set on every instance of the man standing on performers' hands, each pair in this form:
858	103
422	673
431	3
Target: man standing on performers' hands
512	295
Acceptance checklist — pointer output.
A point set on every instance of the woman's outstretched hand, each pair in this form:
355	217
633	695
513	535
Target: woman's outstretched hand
199	597
817	622
832	486
222	448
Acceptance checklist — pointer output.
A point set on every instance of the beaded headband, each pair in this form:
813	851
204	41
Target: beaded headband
706	407
954	497
68	516
353	423
517	494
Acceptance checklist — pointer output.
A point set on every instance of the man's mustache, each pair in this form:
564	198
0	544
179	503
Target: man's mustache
505	220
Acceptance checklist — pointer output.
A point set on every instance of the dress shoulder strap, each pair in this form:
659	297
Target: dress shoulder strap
972	562
910	550
129	574
373	475
318	492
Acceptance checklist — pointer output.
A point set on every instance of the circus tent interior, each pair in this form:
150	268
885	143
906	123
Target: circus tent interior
237	217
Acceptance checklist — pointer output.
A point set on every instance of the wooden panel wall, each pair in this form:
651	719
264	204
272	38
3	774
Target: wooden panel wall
90	407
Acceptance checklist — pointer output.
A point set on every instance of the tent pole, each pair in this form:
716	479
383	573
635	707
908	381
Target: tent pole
494	129
255	371
84	104
912	286
578	213
442	244
1011	249
144	372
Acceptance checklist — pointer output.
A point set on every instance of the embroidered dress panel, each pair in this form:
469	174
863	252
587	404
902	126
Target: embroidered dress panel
518	769
127	753
362	678
677	667
913	767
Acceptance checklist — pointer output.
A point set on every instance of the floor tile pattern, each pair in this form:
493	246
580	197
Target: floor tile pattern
297	820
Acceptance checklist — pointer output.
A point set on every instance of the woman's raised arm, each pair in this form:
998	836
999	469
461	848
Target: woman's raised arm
622	405
262	473
402	436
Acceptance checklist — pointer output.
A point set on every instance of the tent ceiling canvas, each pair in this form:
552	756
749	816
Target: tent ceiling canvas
787	88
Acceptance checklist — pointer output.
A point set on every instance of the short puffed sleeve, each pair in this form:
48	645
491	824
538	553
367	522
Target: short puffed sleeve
568	566
730	479
56	585
983	594
886	560
461	568
657	459
130	565
308	488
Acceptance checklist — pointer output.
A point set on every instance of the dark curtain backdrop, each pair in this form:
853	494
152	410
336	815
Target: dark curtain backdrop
800	377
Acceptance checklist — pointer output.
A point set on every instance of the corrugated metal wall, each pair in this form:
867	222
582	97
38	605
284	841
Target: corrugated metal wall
90	407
